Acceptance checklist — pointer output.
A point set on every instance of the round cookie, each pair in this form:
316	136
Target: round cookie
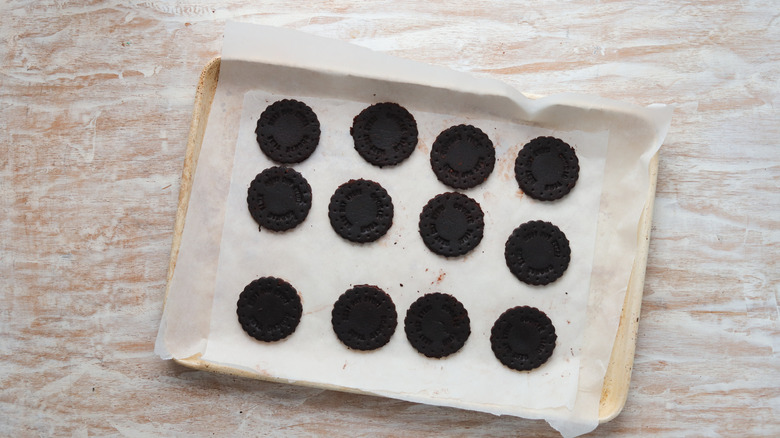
537	253
288	131
462	157
547	168
451	224
279	198
269	309
364	318
385	134
523	338
437	325
361	211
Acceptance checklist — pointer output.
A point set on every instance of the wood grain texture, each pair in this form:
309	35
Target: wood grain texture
95	103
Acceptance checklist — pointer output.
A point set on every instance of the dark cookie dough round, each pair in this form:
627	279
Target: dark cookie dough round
364	318
361	211
451	224
385	134
547	168
269	309
288	131
279	198
462	157
437	325
537	252
523	338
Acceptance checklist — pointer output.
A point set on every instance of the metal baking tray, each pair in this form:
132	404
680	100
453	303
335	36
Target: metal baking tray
616	381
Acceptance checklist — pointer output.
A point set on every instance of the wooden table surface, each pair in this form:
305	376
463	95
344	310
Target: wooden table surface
95	103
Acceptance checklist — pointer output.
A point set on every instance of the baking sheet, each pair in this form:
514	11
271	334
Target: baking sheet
635	135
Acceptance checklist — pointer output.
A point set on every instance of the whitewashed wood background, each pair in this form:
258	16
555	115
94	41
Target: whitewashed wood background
95	101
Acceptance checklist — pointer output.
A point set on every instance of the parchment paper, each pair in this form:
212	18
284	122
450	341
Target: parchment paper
199	318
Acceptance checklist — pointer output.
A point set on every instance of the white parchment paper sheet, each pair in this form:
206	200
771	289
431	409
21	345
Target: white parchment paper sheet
291	63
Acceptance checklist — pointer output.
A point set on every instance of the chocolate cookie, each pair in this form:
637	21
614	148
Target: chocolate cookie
547	168
364	318
523	338
537	252
288	131
269	309
437	325
462	157
279	198
385	134
361	211
451	224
